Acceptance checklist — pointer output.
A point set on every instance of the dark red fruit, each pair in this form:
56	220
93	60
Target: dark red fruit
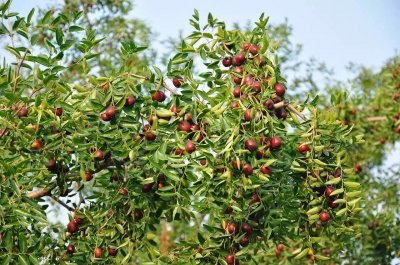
324	216
98	252
229	210
382	140
178	152
246	46
238	69
177	81
99	154
247	169
190	147
236	164
147	187
23	112
150	136
227	61
70	249
257	86
279	89
236	91
247	229
37	144
331	203
254	199
110	112
239	59
253	49
237	80
249	80
52	166
277	99
230	259
203	162
137	215
265	170
260	154
244	241
130	101
72	227
248	114
78	220
280	247
88	176
329	190
112	251
275	142
269	104
58	111
105	117
250	145
304	148
158	96
184	126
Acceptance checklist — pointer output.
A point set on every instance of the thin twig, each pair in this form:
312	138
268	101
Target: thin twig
18	71
379	118
69	208
173	91
298	113
281	104
39	193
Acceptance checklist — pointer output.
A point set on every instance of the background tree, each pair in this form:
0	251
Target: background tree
208	162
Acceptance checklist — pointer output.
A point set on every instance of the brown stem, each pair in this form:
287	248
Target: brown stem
173	91
3	132
379	118
298	113
46	191
62	203
281	104
164	239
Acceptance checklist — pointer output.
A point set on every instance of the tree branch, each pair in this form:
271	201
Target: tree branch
298	113
62	203
379	118
281	104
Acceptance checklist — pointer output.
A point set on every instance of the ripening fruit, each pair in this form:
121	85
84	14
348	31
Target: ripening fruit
331	203
130	101
78	220
247	169
244	241
253	49
304	148
279	89
203	162
230	259
105	117
227	61
23	112
137	215
98	252
357	168
250	145
70	249
237	80
236	164
236	91
249	80
190	147
248	114
123	191
35	127
58	111
184	126
246	46
147	187
110	111
324	216
235	105
178	152
265	170
254	199
238	59
382	140
269	104
52	165
280	247
329	190
257	86
247	229
112	251
229	210
72	227
150	136
177	81
275	142
88	176
277	252
37	144
231	228
158	96
99	154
